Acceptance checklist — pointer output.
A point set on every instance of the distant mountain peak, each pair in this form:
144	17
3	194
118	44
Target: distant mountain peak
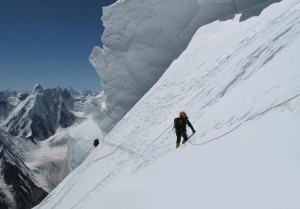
37	87
41	114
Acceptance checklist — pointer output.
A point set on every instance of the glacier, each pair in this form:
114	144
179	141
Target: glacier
46	117
141	39
48	160
17	189
238	73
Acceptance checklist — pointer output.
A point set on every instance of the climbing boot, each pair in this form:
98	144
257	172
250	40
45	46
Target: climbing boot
184	141
177	145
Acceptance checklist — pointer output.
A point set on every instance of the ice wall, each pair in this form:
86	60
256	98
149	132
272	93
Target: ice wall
141	39
80	142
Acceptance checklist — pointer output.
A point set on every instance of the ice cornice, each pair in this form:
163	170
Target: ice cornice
142	38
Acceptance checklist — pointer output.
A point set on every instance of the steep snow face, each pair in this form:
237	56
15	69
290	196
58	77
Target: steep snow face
231	70
141	39
41	113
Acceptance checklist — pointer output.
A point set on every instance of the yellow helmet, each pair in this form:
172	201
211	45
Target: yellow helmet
182	113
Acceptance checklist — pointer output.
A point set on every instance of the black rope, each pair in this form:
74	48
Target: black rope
247	120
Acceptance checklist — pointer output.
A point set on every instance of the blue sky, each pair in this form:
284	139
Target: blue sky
49	42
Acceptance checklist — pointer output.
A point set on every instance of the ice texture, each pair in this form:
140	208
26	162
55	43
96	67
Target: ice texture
80	142
141	39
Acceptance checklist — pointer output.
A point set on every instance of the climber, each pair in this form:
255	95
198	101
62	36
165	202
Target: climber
180	128
96	142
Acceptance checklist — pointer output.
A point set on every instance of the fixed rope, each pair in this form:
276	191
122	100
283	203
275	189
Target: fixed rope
166	147
247	120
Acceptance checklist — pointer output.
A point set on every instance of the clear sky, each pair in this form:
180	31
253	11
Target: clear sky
49	42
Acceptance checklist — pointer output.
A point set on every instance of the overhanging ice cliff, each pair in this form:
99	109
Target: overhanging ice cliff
141	39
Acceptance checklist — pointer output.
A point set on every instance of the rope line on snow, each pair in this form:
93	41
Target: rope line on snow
137	151
236	127
247	120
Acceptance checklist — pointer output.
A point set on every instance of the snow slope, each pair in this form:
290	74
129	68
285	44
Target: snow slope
230	80
141	39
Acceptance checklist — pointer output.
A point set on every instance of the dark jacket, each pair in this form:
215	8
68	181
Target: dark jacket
183	122
96	142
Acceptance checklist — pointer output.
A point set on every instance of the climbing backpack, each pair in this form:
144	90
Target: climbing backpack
177	124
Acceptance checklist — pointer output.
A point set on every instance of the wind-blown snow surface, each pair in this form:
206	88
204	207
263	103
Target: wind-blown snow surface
231	70
141	39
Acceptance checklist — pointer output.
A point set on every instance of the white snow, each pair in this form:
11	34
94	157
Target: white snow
93	105
80	142
56	156
232	70
141	39
48	163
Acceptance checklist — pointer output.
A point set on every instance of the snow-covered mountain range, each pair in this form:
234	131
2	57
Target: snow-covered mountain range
34	136
238	80
41	113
